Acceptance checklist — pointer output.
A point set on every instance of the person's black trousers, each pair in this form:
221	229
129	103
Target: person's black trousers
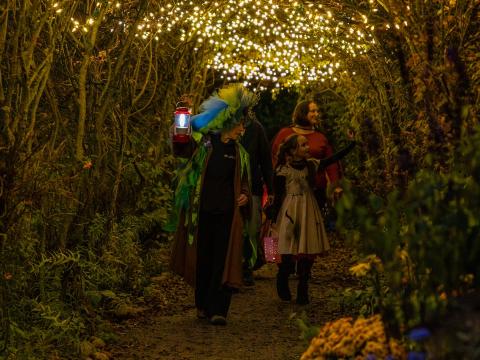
329	213
212	245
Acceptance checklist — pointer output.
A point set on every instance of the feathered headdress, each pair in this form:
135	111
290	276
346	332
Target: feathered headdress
224	109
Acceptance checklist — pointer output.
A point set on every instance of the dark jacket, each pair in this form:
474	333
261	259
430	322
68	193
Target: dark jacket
256	143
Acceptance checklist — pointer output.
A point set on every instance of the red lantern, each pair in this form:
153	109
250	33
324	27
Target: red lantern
182	129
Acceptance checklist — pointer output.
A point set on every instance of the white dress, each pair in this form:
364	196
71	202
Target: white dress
299	222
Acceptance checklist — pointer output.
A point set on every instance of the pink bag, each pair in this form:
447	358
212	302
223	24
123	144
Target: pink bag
270	246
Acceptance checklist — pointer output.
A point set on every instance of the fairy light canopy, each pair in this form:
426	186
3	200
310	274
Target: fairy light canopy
282	43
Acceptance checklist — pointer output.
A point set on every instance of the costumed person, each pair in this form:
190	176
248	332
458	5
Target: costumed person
212	202
256	143
305	118
297	216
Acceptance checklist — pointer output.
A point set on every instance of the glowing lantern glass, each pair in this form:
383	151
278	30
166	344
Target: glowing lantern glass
181	127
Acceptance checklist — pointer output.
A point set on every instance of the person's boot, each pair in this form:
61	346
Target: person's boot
303	269
302	291
283	290
248	277
285	268
218	320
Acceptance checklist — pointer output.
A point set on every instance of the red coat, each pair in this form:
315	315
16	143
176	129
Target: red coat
319	149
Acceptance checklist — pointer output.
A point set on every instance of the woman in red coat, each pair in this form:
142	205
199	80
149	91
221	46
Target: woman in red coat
305	117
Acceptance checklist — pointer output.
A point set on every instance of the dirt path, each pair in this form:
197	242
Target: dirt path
260	326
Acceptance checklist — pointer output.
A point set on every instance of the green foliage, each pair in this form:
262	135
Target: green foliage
427	237
154	262
52	299
275	112
363	301
464	345
48	303
307	330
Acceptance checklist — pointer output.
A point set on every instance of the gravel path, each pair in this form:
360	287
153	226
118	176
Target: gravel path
260	326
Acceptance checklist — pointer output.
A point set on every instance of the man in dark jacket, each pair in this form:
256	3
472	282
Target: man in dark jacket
256	143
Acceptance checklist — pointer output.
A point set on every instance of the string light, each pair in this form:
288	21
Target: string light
285	43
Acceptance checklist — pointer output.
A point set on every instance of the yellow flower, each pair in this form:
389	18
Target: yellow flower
376	262
360	269
467	279
344	351
403	254
343	338
397	350
360	339
375	348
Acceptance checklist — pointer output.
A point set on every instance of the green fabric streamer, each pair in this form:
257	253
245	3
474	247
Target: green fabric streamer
245	167
189	176
187	192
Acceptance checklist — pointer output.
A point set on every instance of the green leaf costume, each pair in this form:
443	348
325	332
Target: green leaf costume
222	111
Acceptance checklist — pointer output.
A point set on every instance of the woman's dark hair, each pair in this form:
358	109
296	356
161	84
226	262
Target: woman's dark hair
300	113
287	147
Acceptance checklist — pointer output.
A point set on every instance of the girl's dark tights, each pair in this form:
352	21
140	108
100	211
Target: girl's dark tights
285	269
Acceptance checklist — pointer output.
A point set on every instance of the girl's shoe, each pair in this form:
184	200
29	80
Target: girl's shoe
283	290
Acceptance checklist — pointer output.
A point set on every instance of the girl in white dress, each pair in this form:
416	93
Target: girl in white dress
299	222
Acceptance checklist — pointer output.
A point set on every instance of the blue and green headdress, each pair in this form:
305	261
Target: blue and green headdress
225	109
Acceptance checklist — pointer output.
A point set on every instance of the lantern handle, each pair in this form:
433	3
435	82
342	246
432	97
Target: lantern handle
186	99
